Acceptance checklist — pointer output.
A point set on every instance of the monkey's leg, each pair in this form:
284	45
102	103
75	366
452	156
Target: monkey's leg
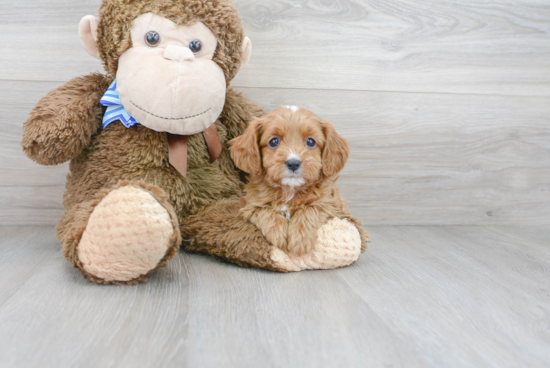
121	236
219	231
339	243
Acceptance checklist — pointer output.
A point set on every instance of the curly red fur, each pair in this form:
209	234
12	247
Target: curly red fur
290	207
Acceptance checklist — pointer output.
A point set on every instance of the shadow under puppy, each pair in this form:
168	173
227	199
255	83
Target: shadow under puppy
293	158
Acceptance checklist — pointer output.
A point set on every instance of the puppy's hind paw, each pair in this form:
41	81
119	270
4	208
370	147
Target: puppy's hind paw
338	245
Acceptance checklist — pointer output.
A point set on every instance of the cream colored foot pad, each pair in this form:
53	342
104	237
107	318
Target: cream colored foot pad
338	245
127	235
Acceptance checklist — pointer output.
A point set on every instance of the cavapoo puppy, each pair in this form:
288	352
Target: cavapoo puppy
293	158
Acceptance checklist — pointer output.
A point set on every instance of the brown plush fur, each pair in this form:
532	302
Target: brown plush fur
290	215
139	153
64	121
66	125
220	232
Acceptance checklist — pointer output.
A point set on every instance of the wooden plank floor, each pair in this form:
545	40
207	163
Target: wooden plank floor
426	296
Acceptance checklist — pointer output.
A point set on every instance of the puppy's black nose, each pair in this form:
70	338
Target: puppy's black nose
294	164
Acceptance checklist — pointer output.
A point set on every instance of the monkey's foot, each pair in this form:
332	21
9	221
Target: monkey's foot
129	234
338	245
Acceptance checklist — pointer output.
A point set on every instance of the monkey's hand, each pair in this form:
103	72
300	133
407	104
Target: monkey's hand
63	122
302	229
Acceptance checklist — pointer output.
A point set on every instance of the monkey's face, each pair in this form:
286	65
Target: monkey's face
167	80
171	76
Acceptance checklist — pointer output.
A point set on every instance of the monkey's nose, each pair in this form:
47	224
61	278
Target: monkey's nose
293	164
178	53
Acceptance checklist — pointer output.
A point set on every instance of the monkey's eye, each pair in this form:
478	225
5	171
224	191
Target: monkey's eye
152	38
274	142
310	142
195	46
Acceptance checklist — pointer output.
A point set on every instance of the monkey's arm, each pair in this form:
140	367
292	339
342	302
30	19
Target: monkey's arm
63	122
218	230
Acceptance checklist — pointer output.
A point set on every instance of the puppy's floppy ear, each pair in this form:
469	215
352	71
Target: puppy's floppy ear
335	152
245	149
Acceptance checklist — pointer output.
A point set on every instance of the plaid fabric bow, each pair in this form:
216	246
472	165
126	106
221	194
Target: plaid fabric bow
115	110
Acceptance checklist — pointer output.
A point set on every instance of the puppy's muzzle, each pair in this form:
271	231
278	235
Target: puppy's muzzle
293	165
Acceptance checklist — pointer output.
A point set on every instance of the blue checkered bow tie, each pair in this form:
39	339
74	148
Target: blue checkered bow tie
115	110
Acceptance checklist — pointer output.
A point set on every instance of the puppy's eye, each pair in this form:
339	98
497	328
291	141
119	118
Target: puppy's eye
195	46
152	38
310	142
274	142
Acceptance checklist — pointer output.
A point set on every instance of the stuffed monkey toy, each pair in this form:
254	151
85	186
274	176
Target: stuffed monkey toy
148	143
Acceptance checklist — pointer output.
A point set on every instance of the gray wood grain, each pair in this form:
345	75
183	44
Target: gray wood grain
416	158
268	319
54	318
29	193
432	296
493	47
437	158
474	287
464	148
17	267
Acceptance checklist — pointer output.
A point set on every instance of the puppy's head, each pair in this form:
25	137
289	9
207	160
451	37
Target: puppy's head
290	147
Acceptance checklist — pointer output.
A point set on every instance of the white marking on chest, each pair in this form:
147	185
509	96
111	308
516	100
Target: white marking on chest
293	108
293	182
290	197
284	211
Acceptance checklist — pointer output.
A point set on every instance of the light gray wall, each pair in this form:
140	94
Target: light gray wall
446	103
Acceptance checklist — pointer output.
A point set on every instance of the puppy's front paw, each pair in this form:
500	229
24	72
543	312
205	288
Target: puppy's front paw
300	241
276	238
277	233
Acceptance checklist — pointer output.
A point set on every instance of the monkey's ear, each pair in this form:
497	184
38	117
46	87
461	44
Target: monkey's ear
87	32
245	149
335	152
247	51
